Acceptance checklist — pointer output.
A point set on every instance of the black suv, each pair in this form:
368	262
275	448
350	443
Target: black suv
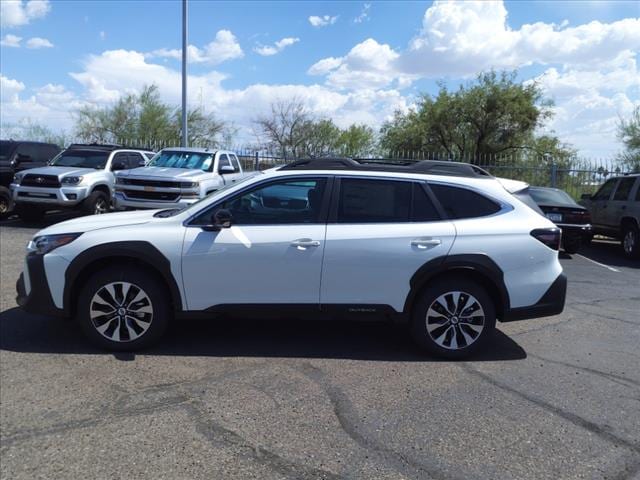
16	156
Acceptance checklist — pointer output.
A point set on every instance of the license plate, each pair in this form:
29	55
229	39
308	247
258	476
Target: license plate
149	189
554	217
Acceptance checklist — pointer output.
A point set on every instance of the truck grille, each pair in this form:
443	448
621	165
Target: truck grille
148	183
45	181
162	196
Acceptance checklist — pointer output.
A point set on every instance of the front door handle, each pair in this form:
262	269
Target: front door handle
424	243
303	243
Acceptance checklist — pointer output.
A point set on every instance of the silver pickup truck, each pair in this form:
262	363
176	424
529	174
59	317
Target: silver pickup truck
176	177
81	177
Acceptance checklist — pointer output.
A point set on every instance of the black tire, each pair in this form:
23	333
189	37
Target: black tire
5	202
96	203
631	241
131	329
29	213
432	332
571	245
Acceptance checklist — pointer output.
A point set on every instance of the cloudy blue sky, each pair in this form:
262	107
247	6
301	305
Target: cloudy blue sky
349	61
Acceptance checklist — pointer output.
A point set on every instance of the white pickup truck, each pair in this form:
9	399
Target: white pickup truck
176	177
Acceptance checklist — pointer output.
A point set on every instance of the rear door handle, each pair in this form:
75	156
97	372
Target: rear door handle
303	243
424	243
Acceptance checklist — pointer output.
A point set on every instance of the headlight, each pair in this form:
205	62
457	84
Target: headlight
71	180
189	184
46	243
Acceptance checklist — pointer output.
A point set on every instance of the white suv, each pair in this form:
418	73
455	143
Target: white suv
443	247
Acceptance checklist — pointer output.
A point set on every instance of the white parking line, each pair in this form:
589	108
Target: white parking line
598	263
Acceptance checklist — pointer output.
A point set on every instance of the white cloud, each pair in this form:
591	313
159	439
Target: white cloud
322	21
268	50
14	13
364	14
11	41
368	65
37	42
224	47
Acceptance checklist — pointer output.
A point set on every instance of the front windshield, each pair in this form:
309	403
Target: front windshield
174	211
81	159
550	196
176	159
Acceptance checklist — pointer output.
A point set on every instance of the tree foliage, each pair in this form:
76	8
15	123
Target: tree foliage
296	133
629	135
144	118
27	129
493	115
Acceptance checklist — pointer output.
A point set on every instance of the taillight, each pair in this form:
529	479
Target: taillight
549	236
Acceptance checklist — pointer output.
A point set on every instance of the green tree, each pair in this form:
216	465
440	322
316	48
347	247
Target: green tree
146	120
27	129
357	141
493	115
629	135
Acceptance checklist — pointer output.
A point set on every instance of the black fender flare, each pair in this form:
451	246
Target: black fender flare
135	250
478	263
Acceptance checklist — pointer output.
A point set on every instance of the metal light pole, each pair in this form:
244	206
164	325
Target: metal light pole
185	133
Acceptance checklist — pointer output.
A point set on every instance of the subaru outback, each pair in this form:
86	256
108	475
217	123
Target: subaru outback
442	247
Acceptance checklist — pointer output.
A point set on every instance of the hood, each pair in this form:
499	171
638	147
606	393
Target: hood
96	222
60	171
164	172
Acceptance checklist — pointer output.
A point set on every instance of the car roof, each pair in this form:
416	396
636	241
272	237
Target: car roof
432	167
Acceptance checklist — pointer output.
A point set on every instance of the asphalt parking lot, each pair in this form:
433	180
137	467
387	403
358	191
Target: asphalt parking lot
553	398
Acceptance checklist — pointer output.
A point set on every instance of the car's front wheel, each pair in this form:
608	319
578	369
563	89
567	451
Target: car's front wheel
96	204
5	202
453	318
123	308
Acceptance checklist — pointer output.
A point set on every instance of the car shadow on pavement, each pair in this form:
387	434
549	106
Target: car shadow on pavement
21	332
609	253
49	219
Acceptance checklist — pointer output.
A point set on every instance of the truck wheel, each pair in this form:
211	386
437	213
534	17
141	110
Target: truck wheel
631	241
123	308
29	213
5	203
453	318
96	204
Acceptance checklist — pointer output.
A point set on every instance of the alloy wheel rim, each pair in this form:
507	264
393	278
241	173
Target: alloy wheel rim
4	206
101	207
629	242
121	312
455	320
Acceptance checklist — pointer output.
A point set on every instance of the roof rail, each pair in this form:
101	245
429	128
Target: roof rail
431	167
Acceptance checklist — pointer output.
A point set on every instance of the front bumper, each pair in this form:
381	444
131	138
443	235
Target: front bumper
63	196
38	298
551	303
122	202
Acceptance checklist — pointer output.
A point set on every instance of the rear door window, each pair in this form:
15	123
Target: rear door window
374	201
624	189
461	203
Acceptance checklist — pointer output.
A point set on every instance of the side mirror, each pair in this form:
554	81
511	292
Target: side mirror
585	196
220	219
118	165
226	169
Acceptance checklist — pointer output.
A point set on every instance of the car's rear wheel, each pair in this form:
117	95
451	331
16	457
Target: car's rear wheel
96	204
571	244
29	213
123	308
631	241
453	318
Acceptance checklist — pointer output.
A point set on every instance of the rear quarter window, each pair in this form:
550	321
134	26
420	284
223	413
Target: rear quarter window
461	203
